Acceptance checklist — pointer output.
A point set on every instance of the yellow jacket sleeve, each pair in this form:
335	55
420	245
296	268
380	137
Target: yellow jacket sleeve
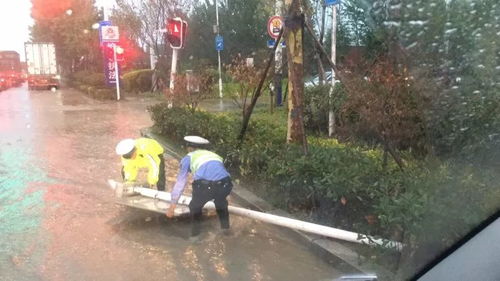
153	168
129	170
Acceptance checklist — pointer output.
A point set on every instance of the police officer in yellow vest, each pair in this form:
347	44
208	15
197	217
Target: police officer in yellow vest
211	182
142	153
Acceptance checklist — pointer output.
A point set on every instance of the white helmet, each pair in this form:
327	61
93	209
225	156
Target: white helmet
196	140
125	146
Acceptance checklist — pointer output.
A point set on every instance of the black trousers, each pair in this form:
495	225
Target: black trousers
204	191
160	185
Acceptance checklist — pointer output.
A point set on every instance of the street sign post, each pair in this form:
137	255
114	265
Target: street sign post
219	43
271	42
110	33
101	24
274	25
117	72
331	2
109	36
109	64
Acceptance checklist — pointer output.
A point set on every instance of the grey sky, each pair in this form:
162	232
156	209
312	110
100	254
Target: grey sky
15	20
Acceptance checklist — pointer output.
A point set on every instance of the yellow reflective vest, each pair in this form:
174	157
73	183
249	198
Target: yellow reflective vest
200	157
147	151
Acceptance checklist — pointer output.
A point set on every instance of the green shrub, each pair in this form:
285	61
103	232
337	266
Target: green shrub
428	206
104	94
316	106
94	79
138	81
88	78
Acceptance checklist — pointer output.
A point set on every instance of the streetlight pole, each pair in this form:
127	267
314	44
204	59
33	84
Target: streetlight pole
331	115
218	51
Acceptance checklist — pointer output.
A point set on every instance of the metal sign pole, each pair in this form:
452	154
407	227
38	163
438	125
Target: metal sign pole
117	73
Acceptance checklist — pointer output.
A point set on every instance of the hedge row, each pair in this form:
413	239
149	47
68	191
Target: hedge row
138	81
428	206
92	84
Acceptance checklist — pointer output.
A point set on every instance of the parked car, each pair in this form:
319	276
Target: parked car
314	81
3	84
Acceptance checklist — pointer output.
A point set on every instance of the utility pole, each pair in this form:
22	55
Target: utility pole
278	59
218	51
331	115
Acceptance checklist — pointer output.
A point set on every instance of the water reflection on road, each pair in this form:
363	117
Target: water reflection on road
58	220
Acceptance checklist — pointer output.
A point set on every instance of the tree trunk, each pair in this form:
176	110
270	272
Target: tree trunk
294	24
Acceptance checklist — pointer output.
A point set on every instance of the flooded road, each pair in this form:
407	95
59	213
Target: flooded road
58	219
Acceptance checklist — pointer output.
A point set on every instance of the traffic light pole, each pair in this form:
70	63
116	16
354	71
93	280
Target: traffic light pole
117	73
173	71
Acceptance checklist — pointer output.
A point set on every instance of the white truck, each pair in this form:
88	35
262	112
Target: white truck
42	66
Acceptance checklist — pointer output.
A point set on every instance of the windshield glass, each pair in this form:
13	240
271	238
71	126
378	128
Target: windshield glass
326	137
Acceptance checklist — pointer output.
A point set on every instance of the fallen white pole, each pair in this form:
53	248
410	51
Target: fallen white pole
281	221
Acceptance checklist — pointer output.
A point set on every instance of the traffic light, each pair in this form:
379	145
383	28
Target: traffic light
176	32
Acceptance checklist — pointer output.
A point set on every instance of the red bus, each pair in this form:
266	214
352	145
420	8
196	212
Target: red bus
10	69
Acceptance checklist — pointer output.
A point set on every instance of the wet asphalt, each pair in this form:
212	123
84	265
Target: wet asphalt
59	220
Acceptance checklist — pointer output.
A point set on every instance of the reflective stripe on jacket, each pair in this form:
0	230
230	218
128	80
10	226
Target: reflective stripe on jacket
200	157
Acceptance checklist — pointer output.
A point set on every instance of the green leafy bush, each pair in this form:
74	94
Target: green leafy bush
222	129
427	206
88	78
138	81
316	106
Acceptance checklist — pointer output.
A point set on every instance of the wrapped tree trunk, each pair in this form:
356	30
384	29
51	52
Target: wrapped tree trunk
294	24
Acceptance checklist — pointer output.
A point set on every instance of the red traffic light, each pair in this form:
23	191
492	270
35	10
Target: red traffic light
176	32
